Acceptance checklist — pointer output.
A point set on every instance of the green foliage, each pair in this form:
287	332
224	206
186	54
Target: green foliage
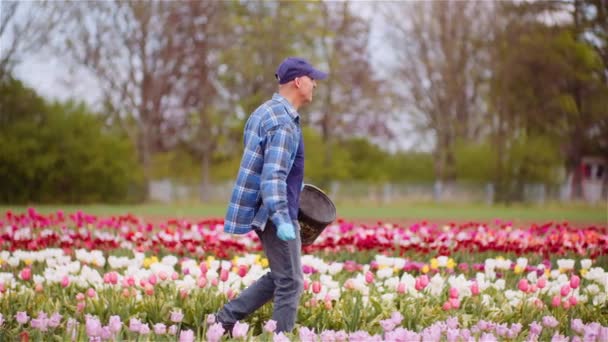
535	159
475	162
59	153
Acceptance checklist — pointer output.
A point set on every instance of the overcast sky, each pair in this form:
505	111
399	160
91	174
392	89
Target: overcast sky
53	79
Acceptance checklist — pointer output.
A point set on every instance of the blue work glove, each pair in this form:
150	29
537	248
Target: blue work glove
286	232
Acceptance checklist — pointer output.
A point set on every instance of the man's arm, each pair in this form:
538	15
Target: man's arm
280	145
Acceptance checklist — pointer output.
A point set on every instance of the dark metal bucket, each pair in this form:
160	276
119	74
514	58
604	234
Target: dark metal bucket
317	211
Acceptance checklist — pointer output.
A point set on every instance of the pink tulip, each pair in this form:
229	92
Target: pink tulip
230	294
91	292
454	303
369	277
38	287
152	279
162	275
453	292
421	282
447	306
523	285
26	274
202	282
575	281
80	306
572	300
541	283
65	281
203	267
566	304
401	288
149	289
80	297
565	290
475	289
174	276
556	301
243	271
224	274
316	287
306	284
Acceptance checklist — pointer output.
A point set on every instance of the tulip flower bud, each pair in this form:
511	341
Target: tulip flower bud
369	277
316	287
523	285
575	281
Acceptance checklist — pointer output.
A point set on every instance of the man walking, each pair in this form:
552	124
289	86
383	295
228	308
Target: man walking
265	197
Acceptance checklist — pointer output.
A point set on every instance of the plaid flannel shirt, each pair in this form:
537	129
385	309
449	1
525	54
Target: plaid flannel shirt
271	141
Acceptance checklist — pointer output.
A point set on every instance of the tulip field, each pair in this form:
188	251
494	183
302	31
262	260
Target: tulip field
82	277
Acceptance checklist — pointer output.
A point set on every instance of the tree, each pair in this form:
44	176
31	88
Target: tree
59	153
353	101
546	83
440	66
25	28
152	61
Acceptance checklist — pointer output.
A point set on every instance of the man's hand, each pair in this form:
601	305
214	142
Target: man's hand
286	231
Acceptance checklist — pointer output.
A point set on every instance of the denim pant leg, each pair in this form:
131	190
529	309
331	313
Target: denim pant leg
284	282
251	299
284	258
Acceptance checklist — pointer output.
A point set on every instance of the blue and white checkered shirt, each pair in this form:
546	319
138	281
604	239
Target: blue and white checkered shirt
271	139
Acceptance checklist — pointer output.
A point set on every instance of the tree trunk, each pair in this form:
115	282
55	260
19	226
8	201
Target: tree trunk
205	194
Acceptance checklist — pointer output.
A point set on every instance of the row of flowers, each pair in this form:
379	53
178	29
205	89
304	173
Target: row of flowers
35	231
449	330
337	295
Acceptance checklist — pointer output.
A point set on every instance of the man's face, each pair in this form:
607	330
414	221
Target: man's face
306	85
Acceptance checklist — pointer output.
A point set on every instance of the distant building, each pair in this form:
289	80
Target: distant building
594	178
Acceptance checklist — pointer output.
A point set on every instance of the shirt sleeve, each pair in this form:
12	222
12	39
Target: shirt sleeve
281	143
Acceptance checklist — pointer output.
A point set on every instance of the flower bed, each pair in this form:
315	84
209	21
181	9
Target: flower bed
83	277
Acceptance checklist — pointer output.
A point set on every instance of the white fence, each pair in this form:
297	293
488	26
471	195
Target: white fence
170	191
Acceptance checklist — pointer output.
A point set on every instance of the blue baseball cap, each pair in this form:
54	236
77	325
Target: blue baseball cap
293	67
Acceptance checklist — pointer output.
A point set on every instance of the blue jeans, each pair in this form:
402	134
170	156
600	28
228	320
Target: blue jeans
284	283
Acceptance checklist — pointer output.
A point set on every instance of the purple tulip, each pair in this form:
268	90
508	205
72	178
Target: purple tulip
160	329
270	326
22	317
307	334
115	324
240	330
186	336
215	332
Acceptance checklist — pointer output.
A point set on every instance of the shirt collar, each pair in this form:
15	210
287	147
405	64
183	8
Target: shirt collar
290	110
